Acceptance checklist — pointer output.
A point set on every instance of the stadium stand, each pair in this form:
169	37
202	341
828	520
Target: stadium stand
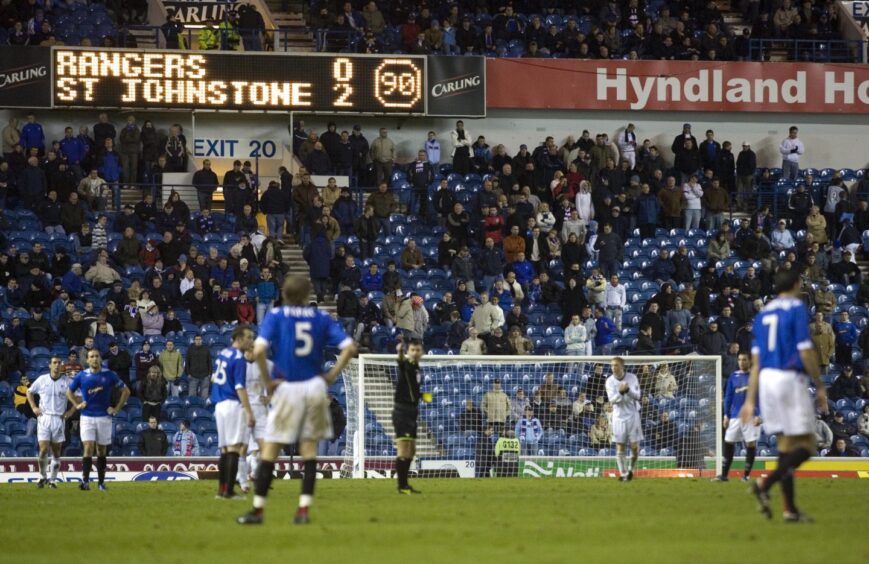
127	282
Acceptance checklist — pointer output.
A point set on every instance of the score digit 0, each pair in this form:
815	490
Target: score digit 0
342	73
398	83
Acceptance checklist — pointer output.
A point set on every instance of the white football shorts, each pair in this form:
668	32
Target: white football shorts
50	428
626	431
786	405
299	411
231	423
96	429
737	431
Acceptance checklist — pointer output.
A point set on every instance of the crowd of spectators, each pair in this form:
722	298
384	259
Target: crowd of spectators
138	284
604	29
558	229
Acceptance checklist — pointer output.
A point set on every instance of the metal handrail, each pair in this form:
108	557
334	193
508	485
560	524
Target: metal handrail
810	50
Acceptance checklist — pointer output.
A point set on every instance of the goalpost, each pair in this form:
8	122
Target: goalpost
469	429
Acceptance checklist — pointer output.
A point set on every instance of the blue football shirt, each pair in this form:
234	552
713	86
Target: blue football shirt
96	389
298	337
230	375
781	331
734	394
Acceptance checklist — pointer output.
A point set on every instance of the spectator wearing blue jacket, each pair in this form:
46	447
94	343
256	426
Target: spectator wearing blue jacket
266	291
318	254
275	205
32	135
74	150
372	281
505	298
606	333
663	269
529	431
73	281
109	166
523	270
103	339
222	274
647	210
345	211
846	336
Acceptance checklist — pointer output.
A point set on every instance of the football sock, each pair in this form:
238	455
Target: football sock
633	463
308	481
242	475
55	466
101	469
262	483
787	463
43	461
253	463
231	471
750	453
221	474
402	467
620	461
795	458
729	449
86	463
777	474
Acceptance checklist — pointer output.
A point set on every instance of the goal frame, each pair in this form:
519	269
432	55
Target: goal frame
358	465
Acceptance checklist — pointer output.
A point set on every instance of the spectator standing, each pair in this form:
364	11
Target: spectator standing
153	441
152	392
846	336
205	182
131	147
461	141
576	337
496	407
185	443
172	366
693	193
610	249
383	156
32	135
198	369
529	431
605	333
473	345
615	300
746	167
791	149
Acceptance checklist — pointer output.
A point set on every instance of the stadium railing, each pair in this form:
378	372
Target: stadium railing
810	50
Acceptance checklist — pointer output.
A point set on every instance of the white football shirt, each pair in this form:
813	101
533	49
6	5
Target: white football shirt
52	393
625	406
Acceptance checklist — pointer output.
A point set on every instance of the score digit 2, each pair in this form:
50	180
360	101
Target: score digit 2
342	73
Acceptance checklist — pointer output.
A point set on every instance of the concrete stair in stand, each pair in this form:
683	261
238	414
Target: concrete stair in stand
295	36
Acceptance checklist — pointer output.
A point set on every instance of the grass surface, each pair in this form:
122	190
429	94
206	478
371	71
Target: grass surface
506	520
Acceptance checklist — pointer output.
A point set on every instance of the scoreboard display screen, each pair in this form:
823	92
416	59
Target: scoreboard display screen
105	78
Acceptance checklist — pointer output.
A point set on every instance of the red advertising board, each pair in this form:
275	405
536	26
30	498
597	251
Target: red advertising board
692	86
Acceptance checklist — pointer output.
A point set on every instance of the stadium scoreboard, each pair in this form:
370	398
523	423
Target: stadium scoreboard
103	78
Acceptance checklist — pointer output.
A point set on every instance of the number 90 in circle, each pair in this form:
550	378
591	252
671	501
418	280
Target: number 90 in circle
398	83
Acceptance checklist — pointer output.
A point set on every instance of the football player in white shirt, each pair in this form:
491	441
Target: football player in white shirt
623	392
51	415
259	404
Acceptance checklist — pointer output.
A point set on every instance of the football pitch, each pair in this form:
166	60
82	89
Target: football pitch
496	520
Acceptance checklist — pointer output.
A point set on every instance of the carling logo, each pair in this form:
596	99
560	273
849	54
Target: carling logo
456	85
22	76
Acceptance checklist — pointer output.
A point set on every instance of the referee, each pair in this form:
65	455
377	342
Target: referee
406	411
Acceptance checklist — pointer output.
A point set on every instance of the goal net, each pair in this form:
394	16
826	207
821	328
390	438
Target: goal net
535	416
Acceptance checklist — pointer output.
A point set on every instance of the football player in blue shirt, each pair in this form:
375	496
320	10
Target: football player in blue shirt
297	336
782	356
734	429
95	386
232	411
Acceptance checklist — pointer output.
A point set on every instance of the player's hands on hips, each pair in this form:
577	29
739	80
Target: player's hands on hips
758	421
726	422
82	405
821	400
747	411
111	411
251	420
37	412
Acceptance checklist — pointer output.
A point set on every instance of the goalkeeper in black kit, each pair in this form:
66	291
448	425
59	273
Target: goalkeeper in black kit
405	412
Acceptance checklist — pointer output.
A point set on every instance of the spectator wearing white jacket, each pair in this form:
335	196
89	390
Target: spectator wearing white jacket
693	193
486	316
545	218
615	298
781	239
791	150
576	337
